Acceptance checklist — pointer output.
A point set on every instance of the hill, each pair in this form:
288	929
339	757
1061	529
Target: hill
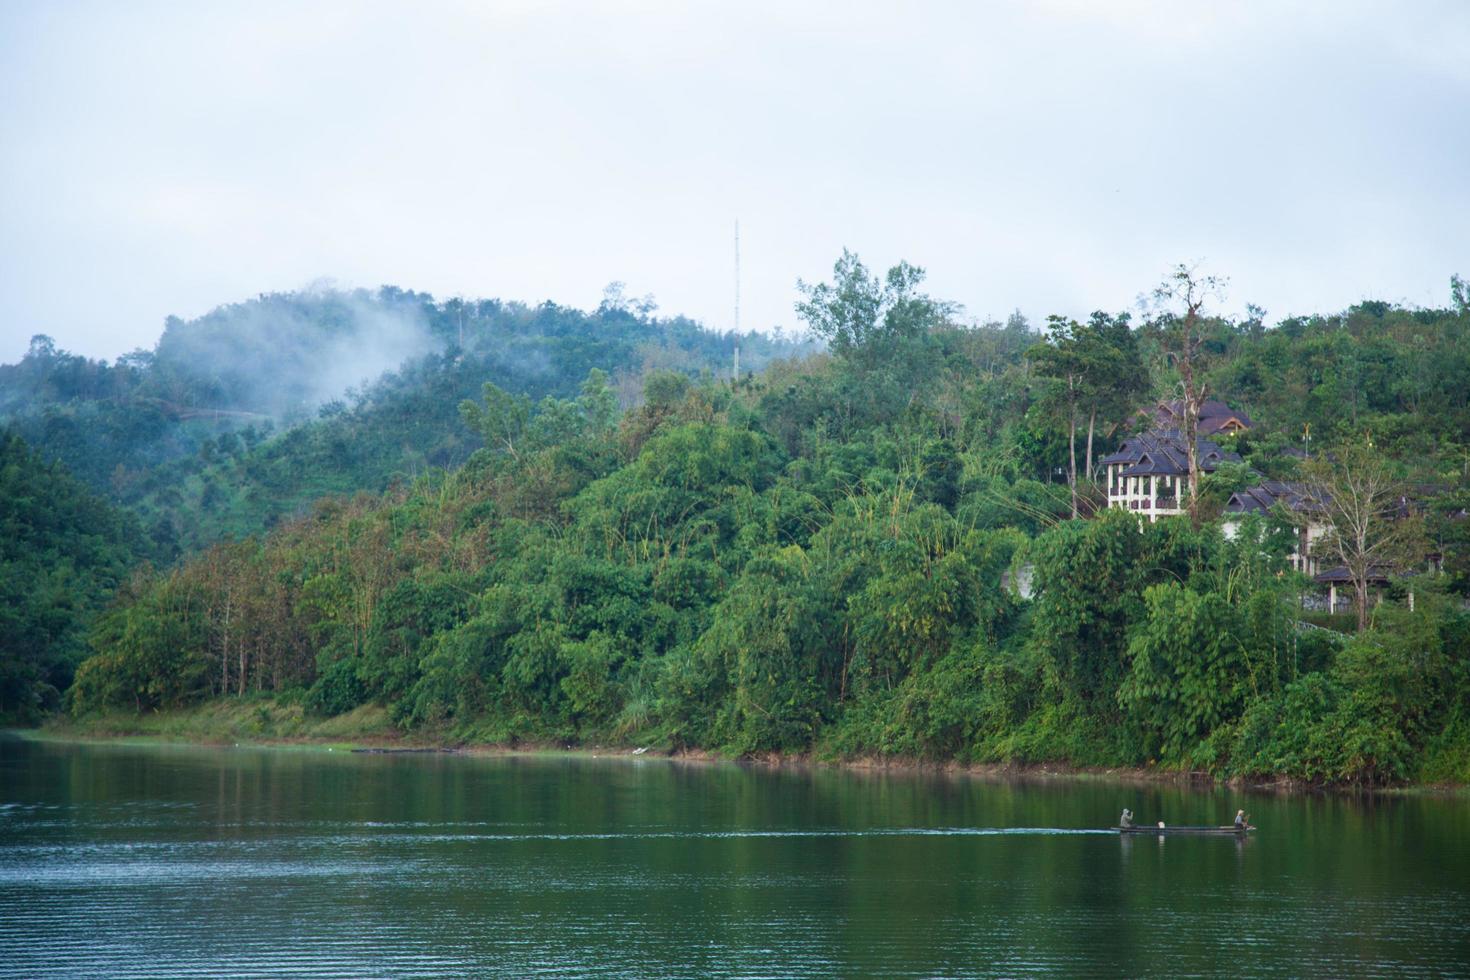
250	412
819	558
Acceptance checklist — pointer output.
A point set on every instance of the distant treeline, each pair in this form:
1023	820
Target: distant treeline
827	557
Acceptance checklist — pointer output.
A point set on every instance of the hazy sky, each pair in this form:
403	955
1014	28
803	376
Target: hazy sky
1053	156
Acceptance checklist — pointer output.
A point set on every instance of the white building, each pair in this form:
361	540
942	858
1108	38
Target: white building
1306	515
1150	473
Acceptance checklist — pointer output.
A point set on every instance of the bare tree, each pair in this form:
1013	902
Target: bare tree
1184	340
1372	530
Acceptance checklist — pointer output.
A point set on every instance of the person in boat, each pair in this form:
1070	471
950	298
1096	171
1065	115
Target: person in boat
1126	820
1240	820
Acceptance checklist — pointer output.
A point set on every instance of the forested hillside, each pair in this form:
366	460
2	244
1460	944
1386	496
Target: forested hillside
254	410
63	551
825	556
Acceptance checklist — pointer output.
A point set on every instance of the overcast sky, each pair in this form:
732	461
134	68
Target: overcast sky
164	158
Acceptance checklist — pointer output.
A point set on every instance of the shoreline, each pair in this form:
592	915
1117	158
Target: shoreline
170	729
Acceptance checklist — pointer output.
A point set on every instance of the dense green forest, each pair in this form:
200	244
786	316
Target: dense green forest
826	556
251	412
63	553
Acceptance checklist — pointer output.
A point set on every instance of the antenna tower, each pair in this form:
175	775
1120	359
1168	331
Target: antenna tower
736	376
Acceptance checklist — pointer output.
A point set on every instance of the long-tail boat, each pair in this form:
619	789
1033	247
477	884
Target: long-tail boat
1166	829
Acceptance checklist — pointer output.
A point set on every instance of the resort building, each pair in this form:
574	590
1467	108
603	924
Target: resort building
1150	473
1307	513
1296	500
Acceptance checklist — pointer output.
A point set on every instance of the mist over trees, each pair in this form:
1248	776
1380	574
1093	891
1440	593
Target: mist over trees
829	555
252	411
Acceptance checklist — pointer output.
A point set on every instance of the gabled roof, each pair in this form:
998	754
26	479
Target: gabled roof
1208	427
1161	452
1147	466
1260	499
1213	416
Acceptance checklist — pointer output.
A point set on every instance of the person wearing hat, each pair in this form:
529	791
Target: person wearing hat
1239	819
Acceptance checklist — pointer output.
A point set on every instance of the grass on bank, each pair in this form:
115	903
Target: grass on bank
234	720
264	719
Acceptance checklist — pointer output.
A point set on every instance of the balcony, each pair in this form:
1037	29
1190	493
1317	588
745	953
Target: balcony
1166	503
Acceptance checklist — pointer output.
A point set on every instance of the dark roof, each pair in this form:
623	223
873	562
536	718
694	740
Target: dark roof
1260	499
1161	452
1377	573
1213	415
1208	427
1148	466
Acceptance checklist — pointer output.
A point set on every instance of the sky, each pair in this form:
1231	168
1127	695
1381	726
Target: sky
1054	156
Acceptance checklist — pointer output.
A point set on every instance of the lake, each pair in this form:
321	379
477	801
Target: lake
127	861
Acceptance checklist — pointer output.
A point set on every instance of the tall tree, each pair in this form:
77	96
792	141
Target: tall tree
1184	344
1117	379
1100	374
860	315
1459	295
1063	357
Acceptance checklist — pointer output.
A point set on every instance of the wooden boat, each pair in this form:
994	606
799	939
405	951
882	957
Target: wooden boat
1143	829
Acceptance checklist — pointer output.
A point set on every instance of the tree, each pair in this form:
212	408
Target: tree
1117	378
1366	508
598	404
769	640
858	314
1089	576
502	420
1099	370
1063	357
1188	672
1184	344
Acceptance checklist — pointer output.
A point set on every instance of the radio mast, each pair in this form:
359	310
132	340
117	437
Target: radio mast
735	377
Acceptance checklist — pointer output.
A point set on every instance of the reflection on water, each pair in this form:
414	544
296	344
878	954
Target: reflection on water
123	861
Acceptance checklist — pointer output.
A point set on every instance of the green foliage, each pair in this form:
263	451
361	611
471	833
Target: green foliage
501	421
932	714
1089	577
154	650
245	416
1097	375
1188	674
770	641
860	315
337	690
1391	697
865	551
62	553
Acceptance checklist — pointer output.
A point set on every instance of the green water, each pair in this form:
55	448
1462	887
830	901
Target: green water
121	861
